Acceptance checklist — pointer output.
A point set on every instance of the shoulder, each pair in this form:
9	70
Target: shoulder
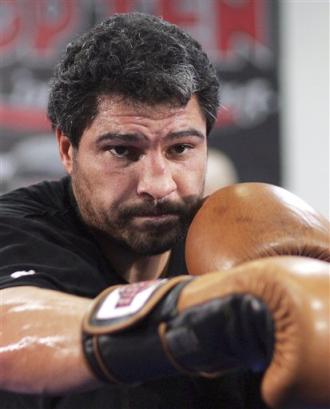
41	198
47	210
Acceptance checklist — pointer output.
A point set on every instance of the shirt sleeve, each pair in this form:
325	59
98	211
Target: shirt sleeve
34	253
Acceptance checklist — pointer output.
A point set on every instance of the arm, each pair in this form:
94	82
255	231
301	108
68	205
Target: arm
40	341
255	316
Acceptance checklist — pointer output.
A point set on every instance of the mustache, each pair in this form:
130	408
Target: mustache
149	208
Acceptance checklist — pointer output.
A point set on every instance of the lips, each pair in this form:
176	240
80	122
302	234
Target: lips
159	216
156	220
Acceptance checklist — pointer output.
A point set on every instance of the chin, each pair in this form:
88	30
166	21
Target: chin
153	244
152	247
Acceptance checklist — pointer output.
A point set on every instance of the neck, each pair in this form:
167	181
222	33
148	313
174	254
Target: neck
134	267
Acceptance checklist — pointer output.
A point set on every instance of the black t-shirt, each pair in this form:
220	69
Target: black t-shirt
44	243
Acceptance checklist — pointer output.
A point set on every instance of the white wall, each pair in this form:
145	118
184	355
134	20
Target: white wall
305	99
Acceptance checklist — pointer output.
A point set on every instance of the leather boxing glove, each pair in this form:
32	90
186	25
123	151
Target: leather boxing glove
295	291
135	333
251	220
270	315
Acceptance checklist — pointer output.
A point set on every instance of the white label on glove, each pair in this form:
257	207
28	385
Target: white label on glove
127	300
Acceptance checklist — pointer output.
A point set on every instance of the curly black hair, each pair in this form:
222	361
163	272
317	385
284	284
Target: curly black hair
138	56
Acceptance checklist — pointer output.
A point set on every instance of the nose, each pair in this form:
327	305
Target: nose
156	177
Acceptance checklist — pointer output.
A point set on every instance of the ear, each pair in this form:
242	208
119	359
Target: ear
66	150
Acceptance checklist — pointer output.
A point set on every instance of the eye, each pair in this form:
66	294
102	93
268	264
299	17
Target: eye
129	153
179	149
119	151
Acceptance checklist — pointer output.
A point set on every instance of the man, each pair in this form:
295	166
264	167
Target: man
131	104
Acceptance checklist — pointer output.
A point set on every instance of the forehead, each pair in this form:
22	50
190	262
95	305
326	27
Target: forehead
116	109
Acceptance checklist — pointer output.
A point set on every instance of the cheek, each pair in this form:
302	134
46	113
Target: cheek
100	173
96	179
114	188
190	180
111	189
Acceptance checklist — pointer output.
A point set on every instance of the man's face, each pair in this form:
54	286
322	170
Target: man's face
138	173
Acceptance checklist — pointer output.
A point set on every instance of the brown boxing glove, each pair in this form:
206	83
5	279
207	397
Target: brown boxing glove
252	220
269	315
295	291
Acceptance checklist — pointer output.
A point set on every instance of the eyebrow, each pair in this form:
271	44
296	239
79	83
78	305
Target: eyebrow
134	137
185	133
111	136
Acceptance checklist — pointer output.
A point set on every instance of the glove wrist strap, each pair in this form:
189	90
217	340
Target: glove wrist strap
120	332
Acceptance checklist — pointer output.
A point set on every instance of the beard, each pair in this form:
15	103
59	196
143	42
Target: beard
144	227
151	237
